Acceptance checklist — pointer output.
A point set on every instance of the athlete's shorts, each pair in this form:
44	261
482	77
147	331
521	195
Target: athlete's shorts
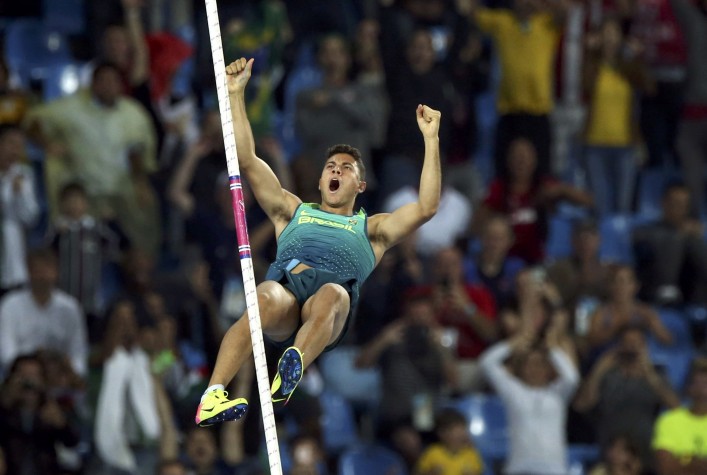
305	284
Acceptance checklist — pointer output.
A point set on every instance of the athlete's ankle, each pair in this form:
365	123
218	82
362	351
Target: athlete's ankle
212	388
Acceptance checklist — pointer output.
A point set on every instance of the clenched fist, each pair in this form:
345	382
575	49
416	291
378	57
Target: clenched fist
237	75
428	121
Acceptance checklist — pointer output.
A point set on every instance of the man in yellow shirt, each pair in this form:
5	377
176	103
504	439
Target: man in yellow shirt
526	38
454	454
680	436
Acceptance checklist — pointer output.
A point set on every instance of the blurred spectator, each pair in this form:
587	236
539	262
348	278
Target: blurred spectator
210	224
468	59
445	228
679	437
202	454
623	392
621	309
526	37
84	246
42	317
655	31
19	208
454	453
467	314
612	75
368	64
32	420
105	141
412	78
123	43
14	102
338	111
526	196
308	456
671	254
693	127
621	457
260	30
536	305
184	293
383	293
492	267
127	424
415	367
536	393
581	275
171	467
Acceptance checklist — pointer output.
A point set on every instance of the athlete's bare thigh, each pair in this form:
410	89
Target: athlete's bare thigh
279	310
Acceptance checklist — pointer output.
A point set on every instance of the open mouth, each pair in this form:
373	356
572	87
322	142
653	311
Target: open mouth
334	184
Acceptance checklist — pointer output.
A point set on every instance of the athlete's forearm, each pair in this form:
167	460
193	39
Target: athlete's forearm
431	178
245	143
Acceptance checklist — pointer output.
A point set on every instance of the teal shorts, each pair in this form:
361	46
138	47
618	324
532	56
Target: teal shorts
303	285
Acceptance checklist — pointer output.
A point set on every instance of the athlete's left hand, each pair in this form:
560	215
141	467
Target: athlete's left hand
428	121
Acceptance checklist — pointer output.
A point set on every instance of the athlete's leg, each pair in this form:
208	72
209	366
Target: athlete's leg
279	318
323	318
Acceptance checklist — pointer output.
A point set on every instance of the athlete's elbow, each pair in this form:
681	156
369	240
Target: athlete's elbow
427	212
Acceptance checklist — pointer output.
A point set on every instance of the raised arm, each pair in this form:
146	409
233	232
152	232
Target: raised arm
388	229
278	204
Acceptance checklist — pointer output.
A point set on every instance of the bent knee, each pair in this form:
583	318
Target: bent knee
333	293
271	292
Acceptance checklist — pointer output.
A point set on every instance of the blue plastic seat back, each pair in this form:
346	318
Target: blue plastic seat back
338	423
371	460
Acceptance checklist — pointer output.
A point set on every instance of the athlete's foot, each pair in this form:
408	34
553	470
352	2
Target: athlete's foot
289	374
216	407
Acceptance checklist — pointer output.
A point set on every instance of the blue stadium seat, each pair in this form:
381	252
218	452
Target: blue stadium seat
371	460
487	424
651	182
61	80
581	456
559	241
675	359
31	48
677	323
66	16
615	234
338	423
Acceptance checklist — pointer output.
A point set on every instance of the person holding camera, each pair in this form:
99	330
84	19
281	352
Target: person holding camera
32	420
624	391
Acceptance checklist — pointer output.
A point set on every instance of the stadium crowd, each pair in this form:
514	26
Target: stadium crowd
551	319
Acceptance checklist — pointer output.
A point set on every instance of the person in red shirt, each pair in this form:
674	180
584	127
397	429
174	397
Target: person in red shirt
466	312
526	196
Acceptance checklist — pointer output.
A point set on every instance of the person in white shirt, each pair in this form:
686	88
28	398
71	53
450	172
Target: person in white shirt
536	394
18	207
442	231
42	317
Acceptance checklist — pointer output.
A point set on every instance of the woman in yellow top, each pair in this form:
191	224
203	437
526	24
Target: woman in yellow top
455	453
612	75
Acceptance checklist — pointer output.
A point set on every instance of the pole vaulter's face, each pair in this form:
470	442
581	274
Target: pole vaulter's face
340	181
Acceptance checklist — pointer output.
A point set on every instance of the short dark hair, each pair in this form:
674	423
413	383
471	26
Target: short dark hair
698	366
7	128
674	185
449	417
168	463
103	66
42	254
71	188
348	150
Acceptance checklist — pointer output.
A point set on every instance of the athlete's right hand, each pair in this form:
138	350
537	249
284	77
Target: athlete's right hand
237	75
